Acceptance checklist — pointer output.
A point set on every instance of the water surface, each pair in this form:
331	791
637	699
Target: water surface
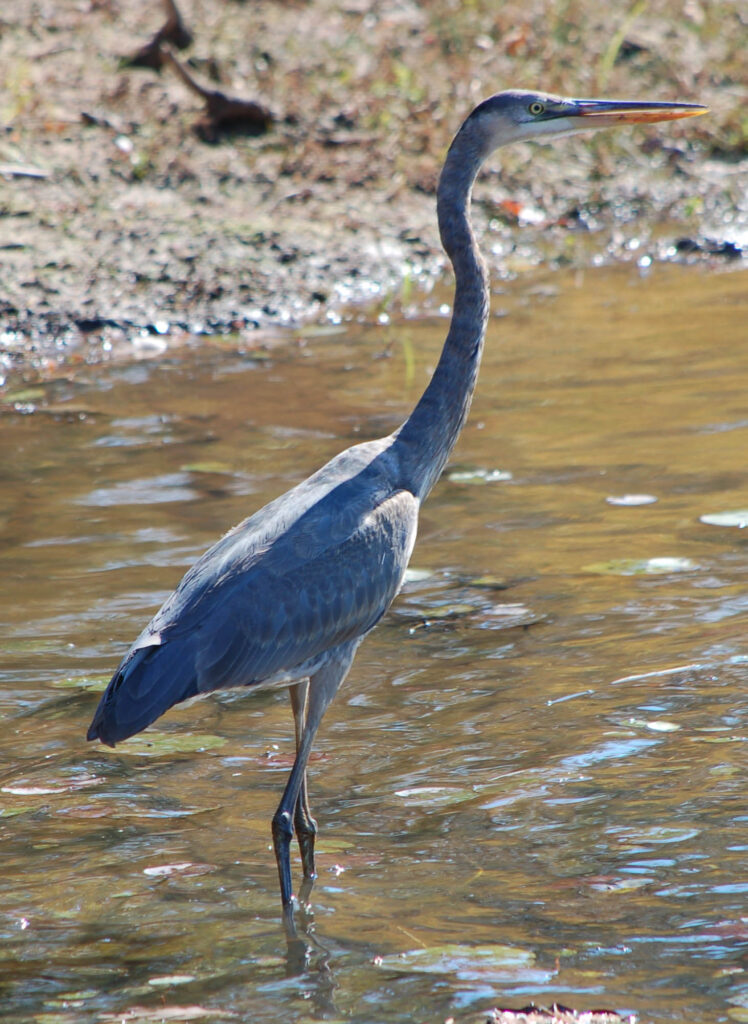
531	784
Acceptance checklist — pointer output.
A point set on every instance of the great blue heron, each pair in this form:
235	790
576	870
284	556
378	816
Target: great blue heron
285	598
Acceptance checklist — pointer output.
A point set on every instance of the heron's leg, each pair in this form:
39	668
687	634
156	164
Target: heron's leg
321	690
304	823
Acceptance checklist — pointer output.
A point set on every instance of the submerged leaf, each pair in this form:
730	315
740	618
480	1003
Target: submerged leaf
222	468
738	518
157	1014
81	682
12	812
631	500
656	725
641	566
448	611
434	796
154	743
24	395
417	575
666	834
479	476
465	961
489	582
185	869
171	979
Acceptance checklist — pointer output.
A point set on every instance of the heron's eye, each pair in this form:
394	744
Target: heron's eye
536	108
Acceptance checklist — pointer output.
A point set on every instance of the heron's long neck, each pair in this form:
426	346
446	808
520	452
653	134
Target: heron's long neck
430	432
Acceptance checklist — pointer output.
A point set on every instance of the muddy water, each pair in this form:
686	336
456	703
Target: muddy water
531	784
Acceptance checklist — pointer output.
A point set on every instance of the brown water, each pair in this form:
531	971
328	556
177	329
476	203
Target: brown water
531	782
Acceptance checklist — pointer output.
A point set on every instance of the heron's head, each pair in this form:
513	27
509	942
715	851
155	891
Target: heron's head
518	114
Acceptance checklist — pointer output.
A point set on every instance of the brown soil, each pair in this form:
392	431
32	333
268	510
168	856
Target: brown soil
119	223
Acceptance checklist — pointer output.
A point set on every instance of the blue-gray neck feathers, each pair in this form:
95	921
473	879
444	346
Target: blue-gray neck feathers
429	434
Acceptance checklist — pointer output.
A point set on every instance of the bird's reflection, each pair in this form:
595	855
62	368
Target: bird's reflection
298	924
306	955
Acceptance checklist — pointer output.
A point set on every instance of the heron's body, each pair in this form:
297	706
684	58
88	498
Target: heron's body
286	597
311	571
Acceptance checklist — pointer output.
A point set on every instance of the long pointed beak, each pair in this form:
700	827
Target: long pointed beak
611	112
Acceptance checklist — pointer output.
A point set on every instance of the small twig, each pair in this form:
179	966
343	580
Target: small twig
100	121
43	54
22	171
184	74
222	112
173	31
608	59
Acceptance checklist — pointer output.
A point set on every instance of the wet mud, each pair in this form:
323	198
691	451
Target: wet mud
123	233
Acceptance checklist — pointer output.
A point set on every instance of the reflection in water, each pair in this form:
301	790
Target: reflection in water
530	783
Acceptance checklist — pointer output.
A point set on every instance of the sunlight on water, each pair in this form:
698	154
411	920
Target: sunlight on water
530	786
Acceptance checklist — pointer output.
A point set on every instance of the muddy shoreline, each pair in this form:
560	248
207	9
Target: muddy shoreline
123	232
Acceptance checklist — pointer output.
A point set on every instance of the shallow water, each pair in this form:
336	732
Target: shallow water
531	783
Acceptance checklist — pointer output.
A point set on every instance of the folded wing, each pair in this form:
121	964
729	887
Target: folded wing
268	601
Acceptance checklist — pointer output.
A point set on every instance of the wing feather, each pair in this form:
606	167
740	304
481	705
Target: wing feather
271	597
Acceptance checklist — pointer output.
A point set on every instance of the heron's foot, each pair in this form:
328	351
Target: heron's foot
282	836
297	945
298	924
306	832
305	894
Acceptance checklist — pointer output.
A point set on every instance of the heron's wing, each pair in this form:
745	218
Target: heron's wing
307	596
323	581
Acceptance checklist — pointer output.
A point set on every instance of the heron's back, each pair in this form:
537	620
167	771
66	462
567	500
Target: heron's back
312	570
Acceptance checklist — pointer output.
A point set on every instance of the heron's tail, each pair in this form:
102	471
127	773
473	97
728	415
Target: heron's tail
149	680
